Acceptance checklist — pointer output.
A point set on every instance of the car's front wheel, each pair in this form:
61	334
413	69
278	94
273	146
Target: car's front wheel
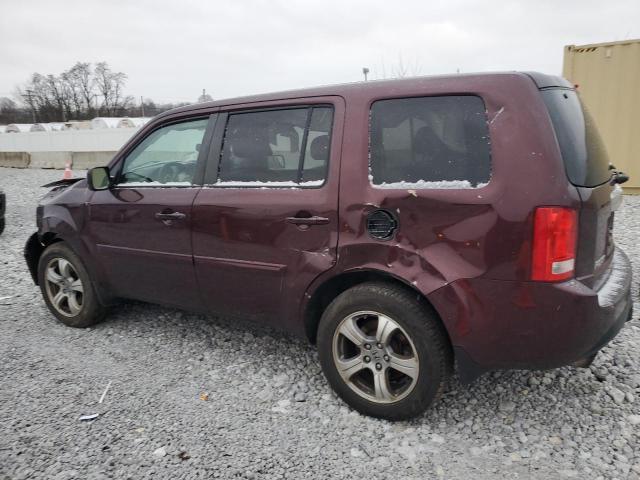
67	288
383	351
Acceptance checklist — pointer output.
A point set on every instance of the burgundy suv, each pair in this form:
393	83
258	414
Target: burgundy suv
400	225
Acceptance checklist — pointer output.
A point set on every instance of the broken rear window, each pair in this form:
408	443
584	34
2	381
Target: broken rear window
430	142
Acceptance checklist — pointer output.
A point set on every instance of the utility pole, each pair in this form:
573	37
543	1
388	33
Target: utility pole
365	71
142	104
29	95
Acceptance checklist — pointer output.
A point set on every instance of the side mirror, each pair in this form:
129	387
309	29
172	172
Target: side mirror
98	178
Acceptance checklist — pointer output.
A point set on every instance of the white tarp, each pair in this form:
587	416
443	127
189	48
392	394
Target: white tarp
132	122
47	127
105	122
19	127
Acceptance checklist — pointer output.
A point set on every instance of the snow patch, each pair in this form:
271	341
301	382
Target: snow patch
424	184
310	183
155	184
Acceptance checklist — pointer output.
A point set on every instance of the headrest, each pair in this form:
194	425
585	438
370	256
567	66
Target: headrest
320	148
250	145
426	141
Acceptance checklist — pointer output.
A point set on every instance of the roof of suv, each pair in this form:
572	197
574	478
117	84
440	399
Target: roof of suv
373	88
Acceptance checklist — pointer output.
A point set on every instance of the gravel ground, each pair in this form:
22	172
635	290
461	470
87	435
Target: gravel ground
270	413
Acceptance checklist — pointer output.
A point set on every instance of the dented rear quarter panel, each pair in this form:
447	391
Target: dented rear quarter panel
448	236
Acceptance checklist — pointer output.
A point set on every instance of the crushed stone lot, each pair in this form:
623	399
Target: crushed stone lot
193	396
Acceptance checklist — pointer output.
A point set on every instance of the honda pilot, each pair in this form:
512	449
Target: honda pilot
402	226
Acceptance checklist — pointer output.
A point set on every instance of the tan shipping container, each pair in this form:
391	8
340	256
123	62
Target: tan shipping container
608	79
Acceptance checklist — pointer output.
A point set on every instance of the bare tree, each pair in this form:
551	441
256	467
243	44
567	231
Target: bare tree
79	84
35	94
9	112
110	86
58	95
402	68
81	92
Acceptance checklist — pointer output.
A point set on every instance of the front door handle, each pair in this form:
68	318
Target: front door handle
170	216
308	220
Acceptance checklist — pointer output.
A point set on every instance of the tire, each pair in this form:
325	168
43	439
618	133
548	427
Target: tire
84	309
415	342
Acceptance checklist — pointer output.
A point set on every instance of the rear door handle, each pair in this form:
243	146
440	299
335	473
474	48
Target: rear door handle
308	220
170	216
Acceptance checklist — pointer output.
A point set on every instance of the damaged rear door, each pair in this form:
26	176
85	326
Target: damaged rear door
266	222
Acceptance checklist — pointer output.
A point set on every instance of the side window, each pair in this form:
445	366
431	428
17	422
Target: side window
167	156
276	148
430	142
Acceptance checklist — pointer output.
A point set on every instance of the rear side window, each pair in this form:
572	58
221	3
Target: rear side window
430	142
277	148
583	151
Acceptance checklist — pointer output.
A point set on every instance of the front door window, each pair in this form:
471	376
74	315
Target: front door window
166	157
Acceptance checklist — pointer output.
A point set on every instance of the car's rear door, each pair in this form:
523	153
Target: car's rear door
587	166
141	226
265	223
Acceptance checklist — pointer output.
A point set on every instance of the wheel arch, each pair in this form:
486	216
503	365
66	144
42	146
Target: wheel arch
33	249
320	298
37	244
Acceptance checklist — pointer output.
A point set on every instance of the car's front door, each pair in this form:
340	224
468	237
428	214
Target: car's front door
265	223
141	226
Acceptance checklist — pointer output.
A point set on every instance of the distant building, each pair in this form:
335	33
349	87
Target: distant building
608	79
205	97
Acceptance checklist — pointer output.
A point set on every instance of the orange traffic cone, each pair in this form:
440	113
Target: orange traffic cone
68	174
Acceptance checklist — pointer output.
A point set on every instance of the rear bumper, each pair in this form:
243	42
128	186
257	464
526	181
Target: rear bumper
497	324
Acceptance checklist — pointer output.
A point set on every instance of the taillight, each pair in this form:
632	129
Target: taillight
555	232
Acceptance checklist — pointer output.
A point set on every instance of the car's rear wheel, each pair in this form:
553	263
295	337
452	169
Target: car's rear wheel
384	351
67	288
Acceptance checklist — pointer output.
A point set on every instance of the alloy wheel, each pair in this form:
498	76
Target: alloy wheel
64	287
375	357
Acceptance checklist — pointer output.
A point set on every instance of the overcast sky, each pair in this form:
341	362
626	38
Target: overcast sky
171	50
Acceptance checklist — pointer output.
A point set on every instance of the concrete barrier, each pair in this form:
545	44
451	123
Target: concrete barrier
56	160
15	159
87	160
103	140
